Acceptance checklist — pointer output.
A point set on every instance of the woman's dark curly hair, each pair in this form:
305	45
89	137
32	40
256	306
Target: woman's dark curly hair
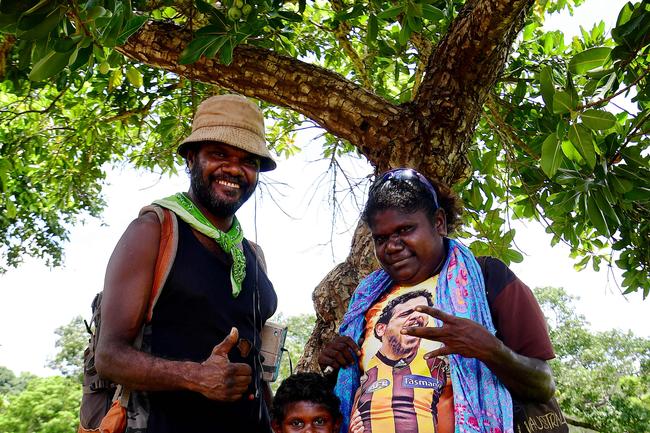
310	387
410	195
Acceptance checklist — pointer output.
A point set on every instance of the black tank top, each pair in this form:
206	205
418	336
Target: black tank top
195	312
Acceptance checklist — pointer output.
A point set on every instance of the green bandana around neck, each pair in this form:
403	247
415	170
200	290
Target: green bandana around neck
230	242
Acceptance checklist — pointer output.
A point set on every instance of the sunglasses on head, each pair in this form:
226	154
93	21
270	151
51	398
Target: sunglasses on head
407	174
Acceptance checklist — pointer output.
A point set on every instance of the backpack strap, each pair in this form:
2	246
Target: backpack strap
259	254
166	252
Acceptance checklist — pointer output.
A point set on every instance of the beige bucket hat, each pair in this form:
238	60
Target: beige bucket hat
234	120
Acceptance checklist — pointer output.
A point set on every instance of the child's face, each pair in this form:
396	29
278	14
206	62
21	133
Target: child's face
307	417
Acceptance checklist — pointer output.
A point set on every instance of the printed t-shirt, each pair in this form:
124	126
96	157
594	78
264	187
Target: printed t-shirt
519	322
400	390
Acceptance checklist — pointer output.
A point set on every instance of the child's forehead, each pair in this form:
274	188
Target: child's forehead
304	407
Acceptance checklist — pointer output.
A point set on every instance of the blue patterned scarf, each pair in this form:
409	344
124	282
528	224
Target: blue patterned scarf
482	404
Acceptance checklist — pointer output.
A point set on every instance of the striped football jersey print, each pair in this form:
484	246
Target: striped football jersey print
401	396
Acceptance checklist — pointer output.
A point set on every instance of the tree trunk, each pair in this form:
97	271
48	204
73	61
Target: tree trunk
332	295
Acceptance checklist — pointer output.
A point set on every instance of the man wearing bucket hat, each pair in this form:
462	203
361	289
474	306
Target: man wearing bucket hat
198	367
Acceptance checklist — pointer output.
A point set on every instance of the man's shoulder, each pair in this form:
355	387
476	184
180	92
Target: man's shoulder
147	222
142	232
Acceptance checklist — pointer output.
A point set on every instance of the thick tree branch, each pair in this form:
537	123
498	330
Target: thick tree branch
425	48
432	133
461	71
343	108
472	53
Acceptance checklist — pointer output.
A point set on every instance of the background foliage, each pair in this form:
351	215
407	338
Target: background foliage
563	138
70	344
299	329
46	405
603	378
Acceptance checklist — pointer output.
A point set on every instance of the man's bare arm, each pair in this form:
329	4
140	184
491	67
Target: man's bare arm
127	286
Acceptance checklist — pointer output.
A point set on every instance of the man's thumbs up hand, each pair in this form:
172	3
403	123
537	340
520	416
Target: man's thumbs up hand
228	343
221	379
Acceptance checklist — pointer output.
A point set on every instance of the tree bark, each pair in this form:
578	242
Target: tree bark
432	133
332	295
340	106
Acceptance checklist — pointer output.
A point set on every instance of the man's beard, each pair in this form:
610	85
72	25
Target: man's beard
215	205
397	347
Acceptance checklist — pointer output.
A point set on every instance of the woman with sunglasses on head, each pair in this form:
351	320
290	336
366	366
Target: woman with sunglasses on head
437	340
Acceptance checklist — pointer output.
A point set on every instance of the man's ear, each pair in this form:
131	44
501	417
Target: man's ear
190	157
380	328
275	426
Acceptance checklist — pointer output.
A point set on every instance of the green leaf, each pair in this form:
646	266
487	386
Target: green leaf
8	23
198	48
113	28
624	14
546	87
596	216
570	151
606	207
11	210
598	119
633	157
130	28
620	184
390	13
290	16
548	44
414	23
50	65
583	141
638	193
513	256
579	266
64	45
551	155
36	7
432	13
115	79
83	56
134	77
562	102
214	49
373	29
404	34
226	53
95	12
589	59
38	27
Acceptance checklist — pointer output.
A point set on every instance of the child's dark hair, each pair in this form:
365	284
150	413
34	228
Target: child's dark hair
311	387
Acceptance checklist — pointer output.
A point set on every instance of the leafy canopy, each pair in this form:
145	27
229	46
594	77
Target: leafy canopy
563	138
49	404
70	344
